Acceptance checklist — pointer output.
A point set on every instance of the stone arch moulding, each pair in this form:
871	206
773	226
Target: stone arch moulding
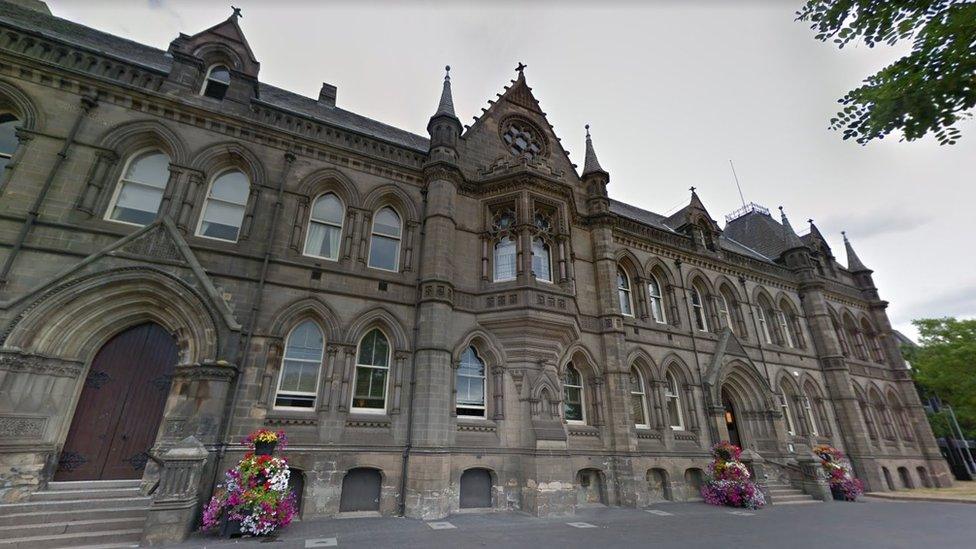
749	380
485	342
391	195
14	99
230	154
577	349
325	180
72	320
307	308
132	136
385	320
640	359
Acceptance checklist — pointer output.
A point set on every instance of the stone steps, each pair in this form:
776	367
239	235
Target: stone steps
87	514
784	494
80	539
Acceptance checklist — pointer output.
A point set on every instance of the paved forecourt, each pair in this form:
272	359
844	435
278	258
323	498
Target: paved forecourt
881	524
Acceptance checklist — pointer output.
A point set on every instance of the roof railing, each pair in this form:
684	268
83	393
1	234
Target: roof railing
749	208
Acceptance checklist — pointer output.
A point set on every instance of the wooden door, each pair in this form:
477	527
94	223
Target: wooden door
121	406
475	489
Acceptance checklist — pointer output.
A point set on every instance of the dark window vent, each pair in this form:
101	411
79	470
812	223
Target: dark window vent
384	286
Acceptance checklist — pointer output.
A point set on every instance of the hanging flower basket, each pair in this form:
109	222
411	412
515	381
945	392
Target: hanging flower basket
843	485
728	482
254	499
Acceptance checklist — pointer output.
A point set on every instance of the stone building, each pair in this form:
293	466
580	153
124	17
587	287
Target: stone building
457	320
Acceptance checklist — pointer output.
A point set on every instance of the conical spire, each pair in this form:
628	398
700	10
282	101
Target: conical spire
854	263
792	240
590	163
814	231
446	106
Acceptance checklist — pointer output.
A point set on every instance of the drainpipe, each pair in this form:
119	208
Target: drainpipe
87	104
256	303
402	503
694	347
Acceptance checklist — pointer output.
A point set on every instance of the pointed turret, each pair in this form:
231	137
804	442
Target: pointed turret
591	164
444	127
854	263
446	105
789	235
595	179
814	231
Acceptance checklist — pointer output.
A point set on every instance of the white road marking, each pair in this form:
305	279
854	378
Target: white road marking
322	542
581	525
660	513
741	513
441	525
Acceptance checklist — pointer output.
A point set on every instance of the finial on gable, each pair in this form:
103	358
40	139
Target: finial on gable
521	68
237	12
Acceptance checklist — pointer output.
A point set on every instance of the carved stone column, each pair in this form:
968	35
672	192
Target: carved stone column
173	511
95	181
325	400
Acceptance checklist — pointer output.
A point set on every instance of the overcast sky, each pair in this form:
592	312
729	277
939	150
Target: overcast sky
673	90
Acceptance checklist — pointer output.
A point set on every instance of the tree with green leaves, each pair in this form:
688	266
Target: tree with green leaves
927	91
944	365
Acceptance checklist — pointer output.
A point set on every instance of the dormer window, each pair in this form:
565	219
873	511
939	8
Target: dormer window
216	83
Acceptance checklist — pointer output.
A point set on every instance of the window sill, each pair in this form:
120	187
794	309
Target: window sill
368	421
476	425
291	417
583	430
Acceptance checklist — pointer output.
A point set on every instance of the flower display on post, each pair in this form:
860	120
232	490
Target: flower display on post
843	485
728	481
254	498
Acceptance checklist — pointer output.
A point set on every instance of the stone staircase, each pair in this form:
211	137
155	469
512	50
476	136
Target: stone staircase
784	494
97	513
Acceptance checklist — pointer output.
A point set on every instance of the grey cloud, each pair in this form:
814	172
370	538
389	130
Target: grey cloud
874	223
958	301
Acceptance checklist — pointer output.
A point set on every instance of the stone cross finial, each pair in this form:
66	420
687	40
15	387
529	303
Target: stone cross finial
692	189
237	12
520	68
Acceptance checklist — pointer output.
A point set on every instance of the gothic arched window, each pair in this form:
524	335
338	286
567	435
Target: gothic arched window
673	399
223	211
325	227
216	83
698	309
623	293
384	246
299	377
657	298
638	398
8	138
541	259
573	407
140	189
372	372
469	383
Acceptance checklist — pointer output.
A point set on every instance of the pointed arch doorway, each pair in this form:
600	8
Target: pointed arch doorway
121	406
731	421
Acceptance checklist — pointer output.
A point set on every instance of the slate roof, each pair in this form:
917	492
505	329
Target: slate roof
658	221
760	232
97	41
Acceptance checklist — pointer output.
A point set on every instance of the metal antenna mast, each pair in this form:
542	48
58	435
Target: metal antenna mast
737	186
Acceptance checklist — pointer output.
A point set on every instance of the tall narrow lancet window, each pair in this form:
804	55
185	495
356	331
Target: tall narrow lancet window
698	309
541	251
140	189
785	329
469	383
300	365
325	227
763	320
787	413
657	299
8	138
810	416
573	396
216	83
372	372
638	398
623	293
505	251
223	212
384	246
724	312
671	396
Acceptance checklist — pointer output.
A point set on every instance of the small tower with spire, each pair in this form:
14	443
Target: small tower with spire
795	253
444	127
862	275
595	179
